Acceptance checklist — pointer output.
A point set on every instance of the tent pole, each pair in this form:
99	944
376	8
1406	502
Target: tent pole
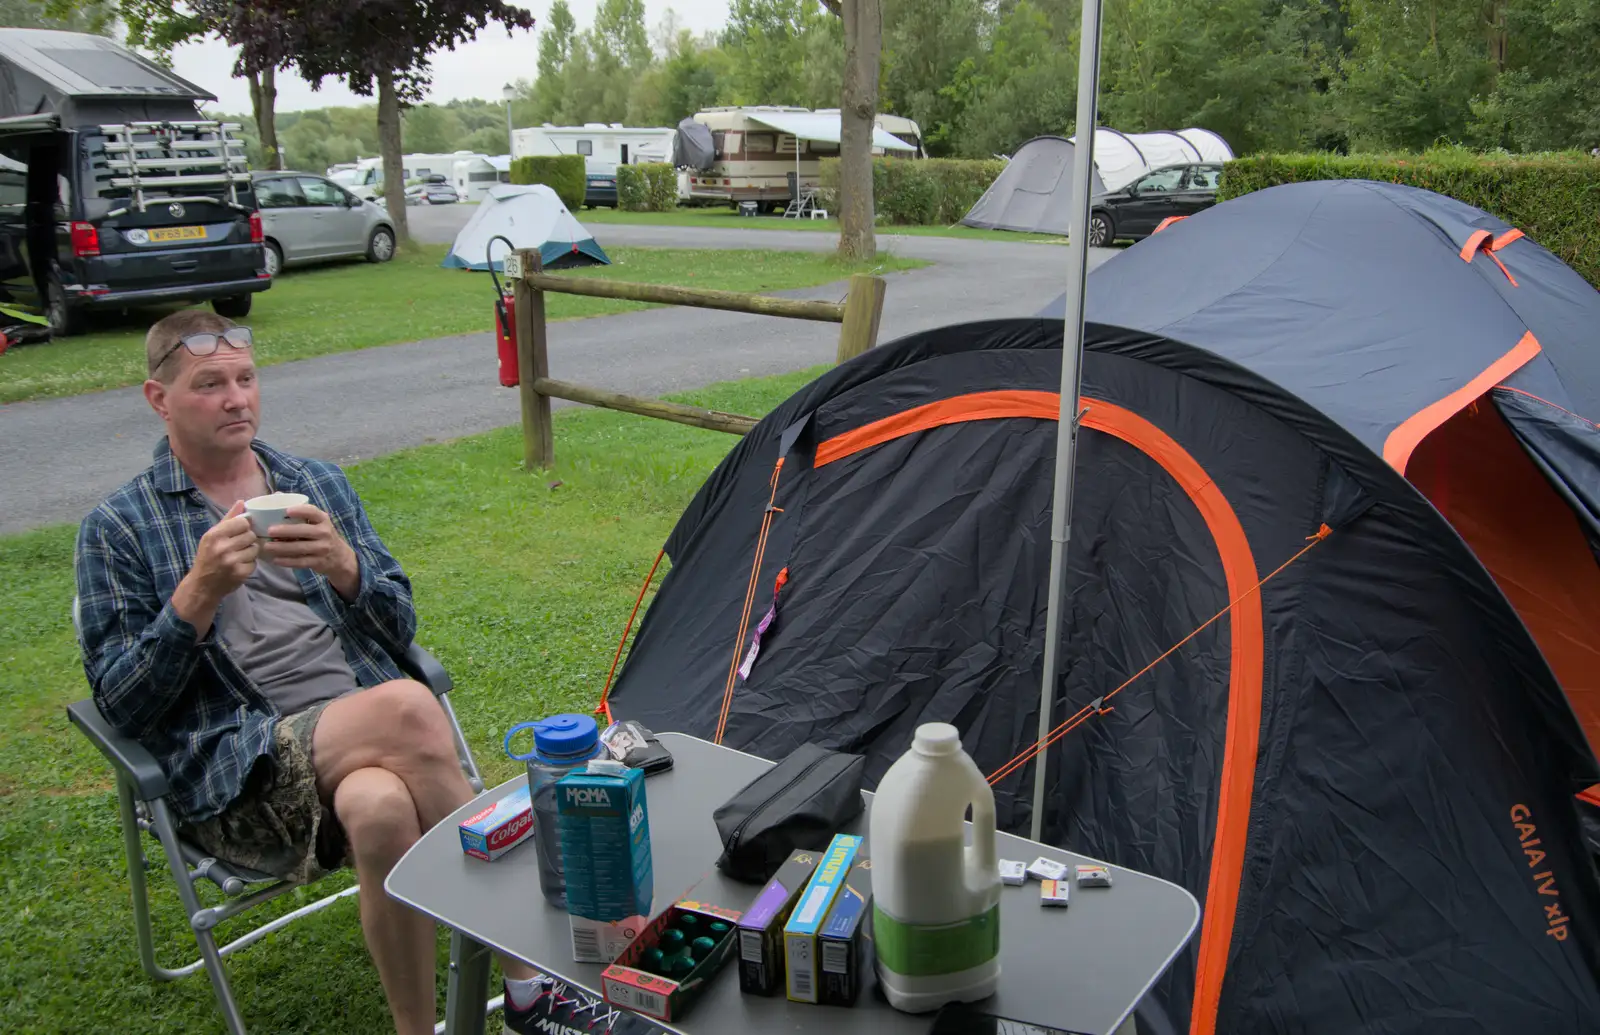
1071	381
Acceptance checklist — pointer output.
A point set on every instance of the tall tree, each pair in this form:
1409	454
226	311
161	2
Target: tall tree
1413	71
766	46
925	42
555	50
381	45
858	107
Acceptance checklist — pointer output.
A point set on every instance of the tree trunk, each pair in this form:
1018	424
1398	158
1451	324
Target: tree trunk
263	105
1499	36
863	41
394	186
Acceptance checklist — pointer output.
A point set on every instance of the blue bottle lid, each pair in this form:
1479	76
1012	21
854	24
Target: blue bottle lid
566	737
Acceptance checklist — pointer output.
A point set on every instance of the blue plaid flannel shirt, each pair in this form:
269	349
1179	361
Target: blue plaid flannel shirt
184	697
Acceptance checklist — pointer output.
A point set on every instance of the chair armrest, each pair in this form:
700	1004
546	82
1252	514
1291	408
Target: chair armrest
126	755
425	669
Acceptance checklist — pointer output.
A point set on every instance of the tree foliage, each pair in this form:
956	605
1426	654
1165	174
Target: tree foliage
982	76
382	46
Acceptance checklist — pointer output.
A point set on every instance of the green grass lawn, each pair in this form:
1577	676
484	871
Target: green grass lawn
726	218
339	308
522	588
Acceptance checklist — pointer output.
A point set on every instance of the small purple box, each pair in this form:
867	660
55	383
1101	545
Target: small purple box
761	927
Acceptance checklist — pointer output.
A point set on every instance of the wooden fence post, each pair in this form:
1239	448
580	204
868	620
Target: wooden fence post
863	310
533	363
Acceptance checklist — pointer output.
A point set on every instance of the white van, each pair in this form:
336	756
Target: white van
368	180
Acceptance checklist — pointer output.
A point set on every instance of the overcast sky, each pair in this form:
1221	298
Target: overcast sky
477	69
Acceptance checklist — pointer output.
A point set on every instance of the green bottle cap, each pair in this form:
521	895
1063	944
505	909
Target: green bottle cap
701	947
680	966
672	940
654	959
718	929
688	923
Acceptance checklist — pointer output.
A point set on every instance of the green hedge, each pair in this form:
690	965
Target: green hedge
563	174
647	187
1553	198
918	192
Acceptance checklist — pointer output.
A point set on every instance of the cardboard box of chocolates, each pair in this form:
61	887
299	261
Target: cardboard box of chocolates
668	966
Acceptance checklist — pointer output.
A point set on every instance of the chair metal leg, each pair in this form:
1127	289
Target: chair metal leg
133	848
466	1001
469	765
166	832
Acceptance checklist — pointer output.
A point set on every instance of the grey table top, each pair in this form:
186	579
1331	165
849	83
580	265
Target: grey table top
1080	969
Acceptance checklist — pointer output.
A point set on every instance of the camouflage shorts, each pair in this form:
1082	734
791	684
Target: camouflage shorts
279	824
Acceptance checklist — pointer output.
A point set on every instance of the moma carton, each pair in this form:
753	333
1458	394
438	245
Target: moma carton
605	853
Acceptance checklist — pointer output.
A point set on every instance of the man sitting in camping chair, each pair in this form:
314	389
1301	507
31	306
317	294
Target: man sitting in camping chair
262	673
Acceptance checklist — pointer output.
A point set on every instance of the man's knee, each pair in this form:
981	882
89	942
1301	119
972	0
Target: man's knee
377	813
412	708
412	724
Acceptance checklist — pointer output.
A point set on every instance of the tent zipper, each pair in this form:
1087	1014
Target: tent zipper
738	831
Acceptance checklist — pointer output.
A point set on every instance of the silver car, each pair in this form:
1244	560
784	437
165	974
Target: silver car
307	218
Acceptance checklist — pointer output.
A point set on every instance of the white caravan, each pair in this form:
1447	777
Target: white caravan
472	177
600	144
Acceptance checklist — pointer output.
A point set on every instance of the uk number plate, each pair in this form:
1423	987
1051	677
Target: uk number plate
177	233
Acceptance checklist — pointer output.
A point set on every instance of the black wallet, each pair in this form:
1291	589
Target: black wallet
799	803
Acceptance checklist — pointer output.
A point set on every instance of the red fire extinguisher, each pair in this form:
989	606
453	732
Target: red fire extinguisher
505	324
505	337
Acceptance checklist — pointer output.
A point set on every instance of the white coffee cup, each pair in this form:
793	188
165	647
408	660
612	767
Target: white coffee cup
266	511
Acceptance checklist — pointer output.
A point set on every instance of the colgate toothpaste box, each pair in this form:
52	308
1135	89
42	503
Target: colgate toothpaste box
499	828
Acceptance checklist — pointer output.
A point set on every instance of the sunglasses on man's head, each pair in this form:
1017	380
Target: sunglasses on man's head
205	343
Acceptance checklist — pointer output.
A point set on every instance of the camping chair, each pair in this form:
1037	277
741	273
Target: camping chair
142	806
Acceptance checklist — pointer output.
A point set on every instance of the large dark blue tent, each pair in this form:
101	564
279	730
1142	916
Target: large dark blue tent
1340	451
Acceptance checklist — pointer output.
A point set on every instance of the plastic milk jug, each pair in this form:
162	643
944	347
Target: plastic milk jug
936	902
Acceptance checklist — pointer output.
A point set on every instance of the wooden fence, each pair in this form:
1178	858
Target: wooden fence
858	317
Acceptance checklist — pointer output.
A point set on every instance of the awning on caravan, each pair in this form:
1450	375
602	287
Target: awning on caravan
809	125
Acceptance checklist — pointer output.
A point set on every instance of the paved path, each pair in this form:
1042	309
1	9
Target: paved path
58	457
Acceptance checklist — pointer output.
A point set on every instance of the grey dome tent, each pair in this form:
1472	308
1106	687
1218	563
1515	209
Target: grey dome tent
1034	191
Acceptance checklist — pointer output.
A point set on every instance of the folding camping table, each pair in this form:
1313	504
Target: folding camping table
1079	969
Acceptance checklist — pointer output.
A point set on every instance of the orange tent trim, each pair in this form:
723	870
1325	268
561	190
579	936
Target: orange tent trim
1247	636
1403	440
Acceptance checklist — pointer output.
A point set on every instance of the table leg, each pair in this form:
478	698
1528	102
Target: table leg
467	995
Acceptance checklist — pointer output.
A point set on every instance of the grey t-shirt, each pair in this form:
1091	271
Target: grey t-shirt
292	656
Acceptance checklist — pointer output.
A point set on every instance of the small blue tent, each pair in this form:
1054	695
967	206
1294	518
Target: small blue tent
529	216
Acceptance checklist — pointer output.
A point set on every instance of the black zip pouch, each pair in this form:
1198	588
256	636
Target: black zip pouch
799	803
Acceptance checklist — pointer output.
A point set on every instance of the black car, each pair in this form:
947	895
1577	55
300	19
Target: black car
114	196
1136	210
600	186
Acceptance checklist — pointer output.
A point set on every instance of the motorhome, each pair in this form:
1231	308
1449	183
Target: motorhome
769	155
115	189
472	177
599	143
368	181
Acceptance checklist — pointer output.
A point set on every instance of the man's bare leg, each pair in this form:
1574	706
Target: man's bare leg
400	728
381	822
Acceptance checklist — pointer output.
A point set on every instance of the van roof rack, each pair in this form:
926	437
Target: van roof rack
156	161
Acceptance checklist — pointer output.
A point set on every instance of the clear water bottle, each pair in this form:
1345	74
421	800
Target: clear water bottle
561	744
